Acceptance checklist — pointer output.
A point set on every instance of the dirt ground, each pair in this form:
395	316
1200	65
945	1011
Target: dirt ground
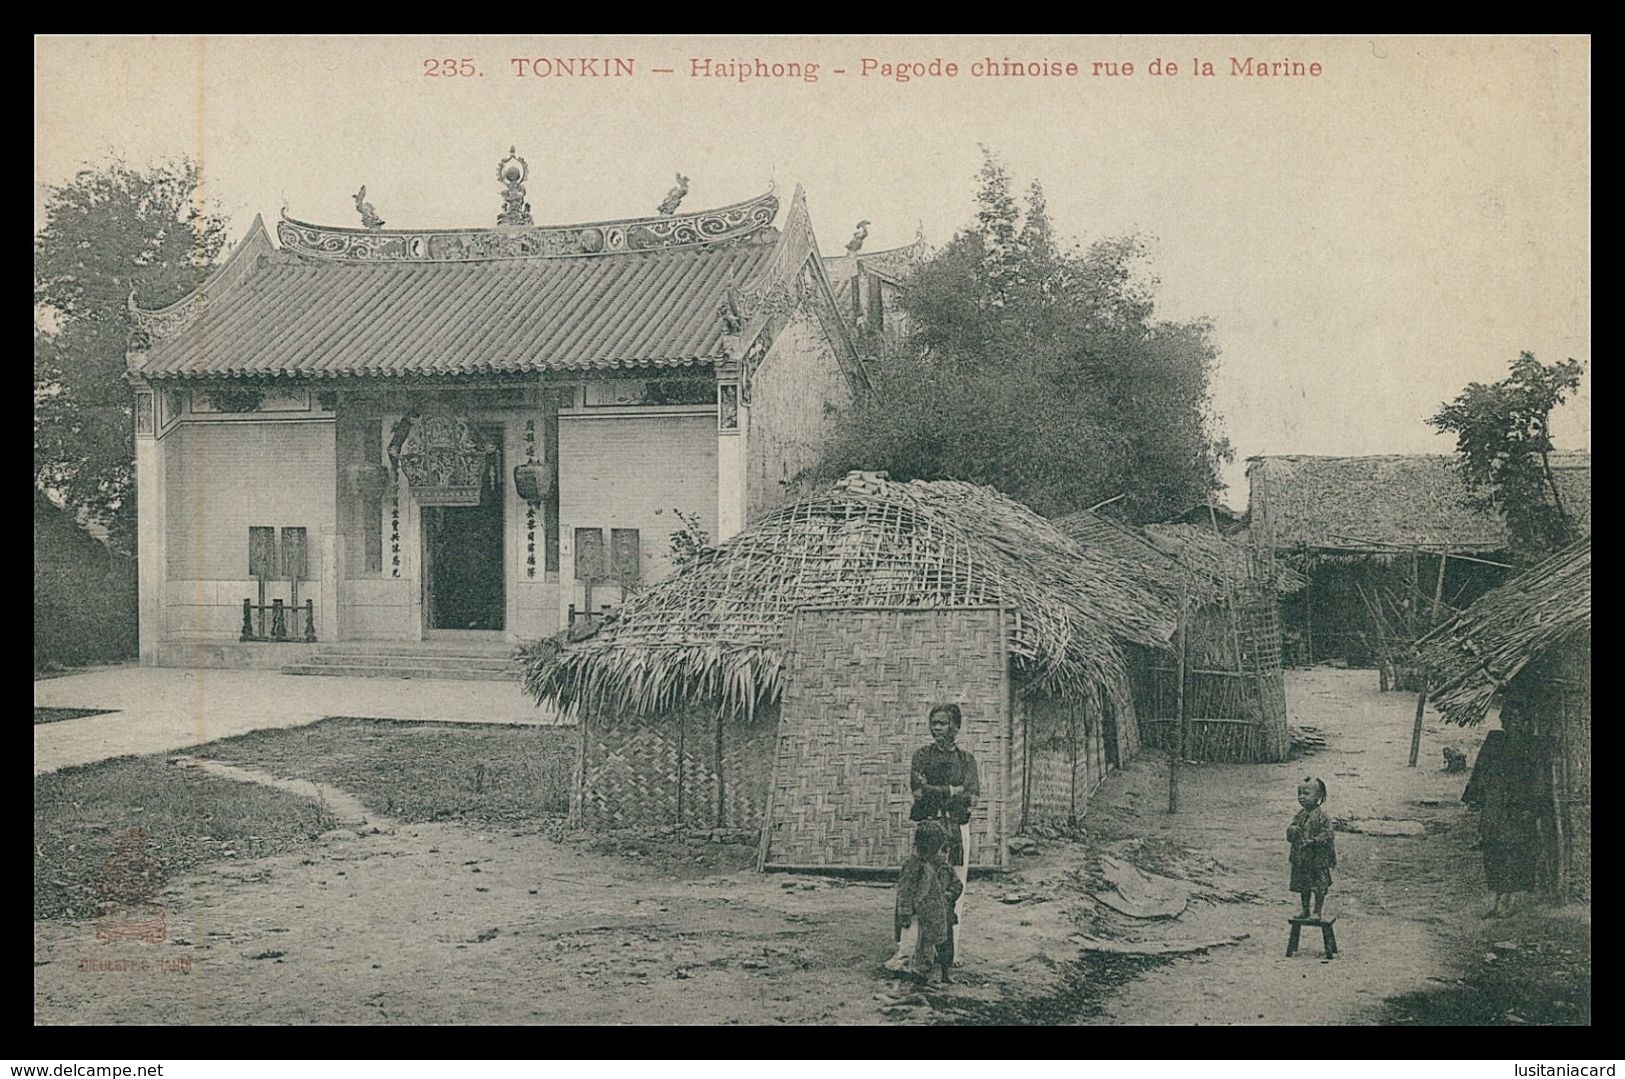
381	922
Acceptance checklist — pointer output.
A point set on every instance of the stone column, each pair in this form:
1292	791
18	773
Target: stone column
328	625
151	561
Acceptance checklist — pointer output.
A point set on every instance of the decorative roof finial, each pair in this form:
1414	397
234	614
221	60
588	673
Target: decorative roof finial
855	244
512	171
674	197
369	216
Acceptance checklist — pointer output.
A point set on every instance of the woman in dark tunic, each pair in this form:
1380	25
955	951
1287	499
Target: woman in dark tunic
945	785
1509	789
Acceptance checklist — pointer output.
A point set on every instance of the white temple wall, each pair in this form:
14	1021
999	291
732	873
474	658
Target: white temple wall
632	471
221	478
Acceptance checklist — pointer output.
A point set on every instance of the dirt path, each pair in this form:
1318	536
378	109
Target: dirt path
1406	906
447	923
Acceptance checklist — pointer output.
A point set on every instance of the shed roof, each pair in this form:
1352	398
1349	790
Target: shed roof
1484	647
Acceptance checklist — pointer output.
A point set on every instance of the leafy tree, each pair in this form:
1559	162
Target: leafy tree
1039	369
1503	433
108	233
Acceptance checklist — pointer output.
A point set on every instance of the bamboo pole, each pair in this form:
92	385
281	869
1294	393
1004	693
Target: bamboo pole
1560	801
1309	621
1183	736
1401	547
1438	594
1422	689
1416	728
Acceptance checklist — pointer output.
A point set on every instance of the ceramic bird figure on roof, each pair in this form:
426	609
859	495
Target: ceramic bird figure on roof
369	216
674	197
855	244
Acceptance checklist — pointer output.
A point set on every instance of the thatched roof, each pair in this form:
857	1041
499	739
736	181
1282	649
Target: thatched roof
1179	559
1484	647
1210	513
1224	561
1387	504
1097	532
713	633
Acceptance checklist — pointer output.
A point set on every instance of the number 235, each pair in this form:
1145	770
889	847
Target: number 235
450	69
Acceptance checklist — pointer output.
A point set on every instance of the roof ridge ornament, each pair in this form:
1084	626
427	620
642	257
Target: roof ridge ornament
369	215
741	222
861	233
674	197
512	171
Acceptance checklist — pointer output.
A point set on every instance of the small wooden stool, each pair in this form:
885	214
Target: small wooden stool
1327	936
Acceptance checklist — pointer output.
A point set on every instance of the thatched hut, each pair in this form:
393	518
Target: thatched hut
1529	643
1386	541
1234	695
782	679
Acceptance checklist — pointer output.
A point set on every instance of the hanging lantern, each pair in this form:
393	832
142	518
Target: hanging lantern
533	480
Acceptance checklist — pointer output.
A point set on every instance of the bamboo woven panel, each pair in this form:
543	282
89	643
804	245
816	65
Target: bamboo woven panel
632	772
656	771
858	686
1128	732
747	768
701	775
1050	775
1090	770
1052	796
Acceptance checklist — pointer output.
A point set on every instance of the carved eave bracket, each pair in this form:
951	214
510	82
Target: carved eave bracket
740	222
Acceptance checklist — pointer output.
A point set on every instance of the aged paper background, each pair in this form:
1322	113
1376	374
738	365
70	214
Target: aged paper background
1366	240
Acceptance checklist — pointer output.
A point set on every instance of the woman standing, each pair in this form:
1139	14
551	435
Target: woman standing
945	785
1510	789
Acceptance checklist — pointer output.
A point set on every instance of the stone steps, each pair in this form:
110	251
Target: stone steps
414	660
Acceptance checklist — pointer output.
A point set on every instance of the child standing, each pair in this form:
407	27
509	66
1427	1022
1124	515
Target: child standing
1313	853
927	889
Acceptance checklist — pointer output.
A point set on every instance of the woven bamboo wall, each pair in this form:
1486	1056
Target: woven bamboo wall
1094	748
1063	762
668	769
1238	713
858	685
1551	699
1128	736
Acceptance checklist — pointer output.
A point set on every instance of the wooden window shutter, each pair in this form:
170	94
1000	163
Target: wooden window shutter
589	554
624	556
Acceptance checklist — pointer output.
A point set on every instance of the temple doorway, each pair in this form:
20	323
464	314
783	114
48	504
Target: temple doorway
465	586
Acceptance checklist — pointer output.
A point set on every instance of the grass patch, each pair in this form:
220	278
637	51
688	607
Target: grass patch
418	772
56	715
116	830
1529	970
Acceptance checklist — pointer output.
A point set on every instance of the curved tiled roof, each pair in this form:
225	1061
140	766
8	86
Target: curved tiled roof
643	292
294	318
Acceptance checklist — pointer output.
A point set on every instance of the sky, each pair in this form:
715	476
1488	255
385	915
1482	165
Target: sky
1365	240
